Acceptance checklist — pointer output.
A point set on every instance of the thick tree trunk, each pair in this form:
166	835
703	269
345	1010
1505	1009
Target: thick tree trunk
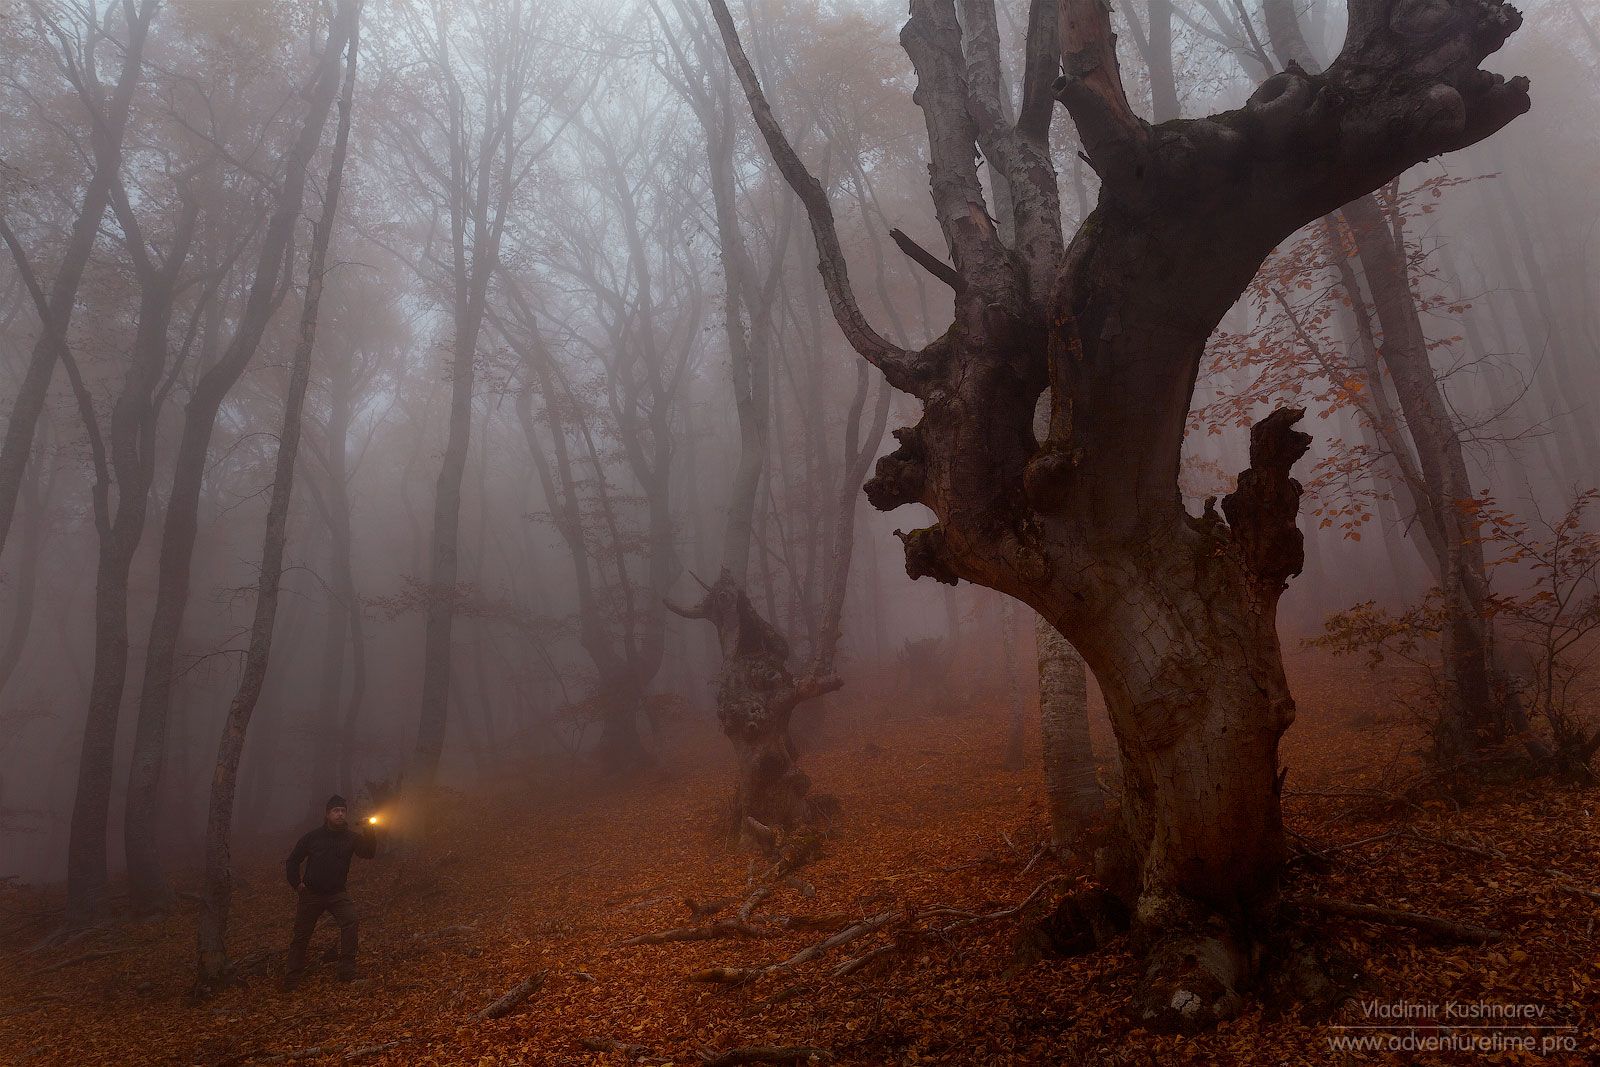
1070	786
1175	614
756	696
1016	736
212	968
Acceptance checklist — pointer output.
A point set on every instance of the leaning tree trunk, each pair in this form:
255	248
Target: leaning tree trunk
1468	653
1071	790
212	968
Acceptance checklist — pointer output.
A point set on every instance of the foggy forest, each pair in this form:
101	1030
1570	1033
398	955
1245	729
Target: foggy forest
715	532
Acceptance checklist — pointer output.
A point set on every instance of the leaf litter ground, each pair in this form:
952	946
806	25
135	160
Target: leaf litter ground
543	875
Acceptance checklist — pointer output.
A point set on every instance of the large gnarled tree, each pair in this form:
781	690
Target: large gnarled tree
1175	614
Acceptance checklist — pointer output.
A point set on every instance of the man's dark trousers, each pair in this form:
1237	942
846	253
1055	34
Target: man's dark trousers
307	911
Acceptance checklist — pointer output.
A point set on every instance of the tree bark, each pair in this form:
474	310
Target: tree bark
756	696
107	126
1016	737
147	882
130	472
36	498
1175	614
212	968
1071	790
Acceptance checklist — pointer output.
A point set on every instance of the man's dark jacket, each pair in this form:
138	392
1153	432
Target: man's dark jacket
326	853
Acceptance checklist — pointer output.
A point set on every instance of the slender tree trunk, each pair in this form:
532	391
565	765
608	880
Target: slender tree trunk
212	957
859	449
1163	84
28	558
147	882
1441	483
106	130
130	472
1442	461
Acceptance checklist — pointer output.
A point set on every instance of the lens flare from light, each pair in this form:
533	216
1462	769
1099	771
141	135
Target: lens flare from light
372	820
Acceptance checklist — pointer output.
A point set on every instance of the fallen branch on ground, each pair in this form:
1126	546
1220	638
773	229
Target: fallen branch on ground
87	956
514	996
751	901
765	1054
1569	884
850	966
727	928
318	1051
1431	924
805	955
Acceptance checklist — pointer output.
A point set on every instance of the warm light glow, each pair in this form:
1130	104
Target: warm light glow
373	819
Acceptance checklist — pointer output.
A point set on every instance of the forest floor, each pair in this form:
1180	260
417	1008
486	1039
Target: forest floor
533	874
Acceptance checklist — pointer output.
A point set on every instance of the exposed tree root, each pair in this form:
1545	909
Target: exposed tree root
1428	924
1079	923
1194	977
74	960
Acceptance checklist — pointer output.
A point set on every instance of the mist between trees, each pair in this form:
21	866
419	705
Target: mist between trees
396	389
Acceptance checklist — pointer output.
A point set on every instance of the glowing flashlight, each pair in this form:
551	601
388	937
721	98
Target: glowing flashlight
372	820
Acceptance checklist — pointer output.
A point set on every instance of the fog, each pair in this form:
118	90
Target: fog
574	357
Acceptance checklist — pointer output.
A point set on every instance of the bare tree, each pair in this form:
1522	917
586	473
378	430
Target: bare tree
481	70
212	961
80	31
270	282
1174	613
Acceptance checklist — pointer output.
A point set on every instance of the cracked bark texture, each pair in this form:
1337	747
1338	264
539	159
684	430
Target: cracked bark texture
1175	614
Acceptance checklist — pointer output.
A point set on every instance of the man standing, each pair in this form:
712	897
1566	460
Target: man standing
317	870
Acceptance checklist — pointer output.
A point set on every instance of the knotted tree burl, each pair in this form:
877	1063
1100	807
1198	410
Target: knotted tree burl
1174	613
756	697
